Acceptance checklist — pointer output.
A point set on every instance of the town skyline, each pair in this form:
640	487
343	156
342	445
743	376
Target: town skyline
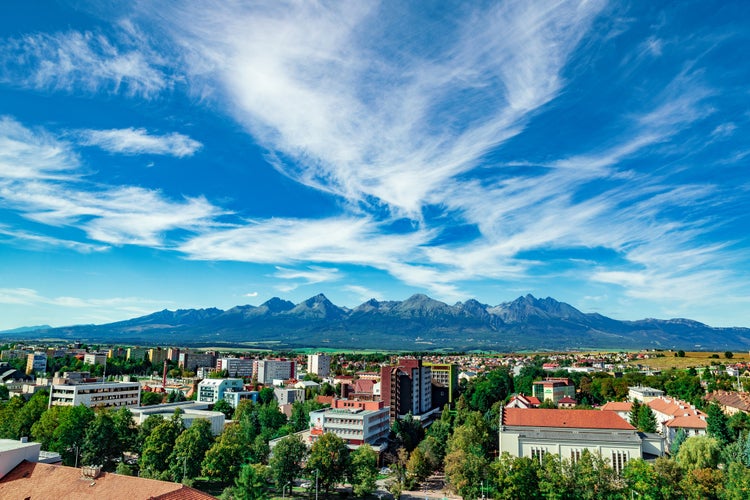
182	155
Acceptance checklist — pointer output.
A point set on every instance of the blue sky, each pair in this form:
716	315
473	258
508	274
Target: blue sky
207	154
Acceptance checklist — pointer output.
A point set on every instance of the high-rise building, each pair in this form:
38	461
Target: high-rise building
275	369
236	367
447	376
407	388
36	362
319	364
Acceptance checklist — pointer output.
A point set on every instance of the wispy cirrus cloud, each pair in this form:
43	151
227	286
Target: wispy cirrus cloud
310	275
379	124
137	141
83	61
41	179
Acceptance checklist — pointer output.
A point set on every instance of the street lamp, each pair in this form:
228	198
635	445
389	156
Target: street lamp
284	487
316	484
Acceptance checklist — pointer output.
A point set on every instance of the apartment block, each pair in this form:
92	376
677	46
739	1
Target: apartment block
107	394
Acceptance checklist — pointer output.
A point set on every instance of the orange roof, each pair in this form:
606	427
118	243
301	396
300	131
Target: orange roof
576	419
673	407
689	422
617	406
36	480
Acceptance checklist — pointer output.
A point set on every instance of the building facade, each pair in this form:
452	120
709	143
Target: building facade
107	394
275	369
319	364
535	432
36	363
356	422
554	389
407	388
447	376
211	390
95	358
236	367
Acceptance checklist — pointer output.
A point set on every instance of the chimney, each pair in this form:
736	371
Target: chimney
91	471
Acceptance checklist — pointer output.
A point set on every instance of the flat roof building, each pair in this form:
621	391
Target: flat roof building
107	394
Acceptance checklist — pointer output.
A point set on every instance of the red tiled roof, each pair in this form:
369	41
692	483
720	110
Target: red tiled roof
689	422
673	407
37	480
617	406
576	419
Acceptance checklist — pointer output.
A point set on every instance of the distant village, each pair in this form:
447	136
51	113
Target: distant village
567	405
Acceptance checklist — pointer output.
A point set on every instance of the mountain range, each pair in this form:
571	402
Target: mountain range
417	323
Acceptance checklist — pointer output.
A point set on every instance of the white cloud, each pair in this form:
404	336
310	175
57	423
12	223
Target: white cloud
364	293
49	189
75	61
132	141
312	84
251	294
31	240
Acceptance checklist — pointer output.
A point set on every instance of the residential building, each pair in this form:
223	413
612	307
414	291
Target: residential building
192	360
106	394
319	364
536	432
622	408
173	354
554	389
644	394
211	390
271	369
287	396
446	375
95	358
731	402
36	362
407	388
523	401
236	367
356	422
9	354
137	353
234	397
157	356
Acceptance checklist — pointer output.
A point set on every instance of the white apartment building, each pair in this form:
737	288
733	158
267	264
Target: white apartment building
236	367
279	369
356	422
95	358
211	390
319	364
287	396
108	394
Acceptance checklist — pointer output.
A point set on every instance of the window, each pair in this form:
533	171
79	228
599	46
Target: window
619	459
538	454
575	455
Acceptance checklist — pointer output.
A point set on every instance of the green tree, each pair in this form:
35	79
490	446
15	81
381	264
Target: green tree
43	431
9	413
717	424
30	413
329	456
418	468
699	452
190	449
679	438
69	435
408	431
669	474
101	445
145	430
592	477
251	483
225	457
176	396
224	407
151	398
158	447
489	388
737	485
739	424
270	419
4	393
641	478
265	395
634	410
516	477
646	419
125	428
729	354
286	462
703	484
364	470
